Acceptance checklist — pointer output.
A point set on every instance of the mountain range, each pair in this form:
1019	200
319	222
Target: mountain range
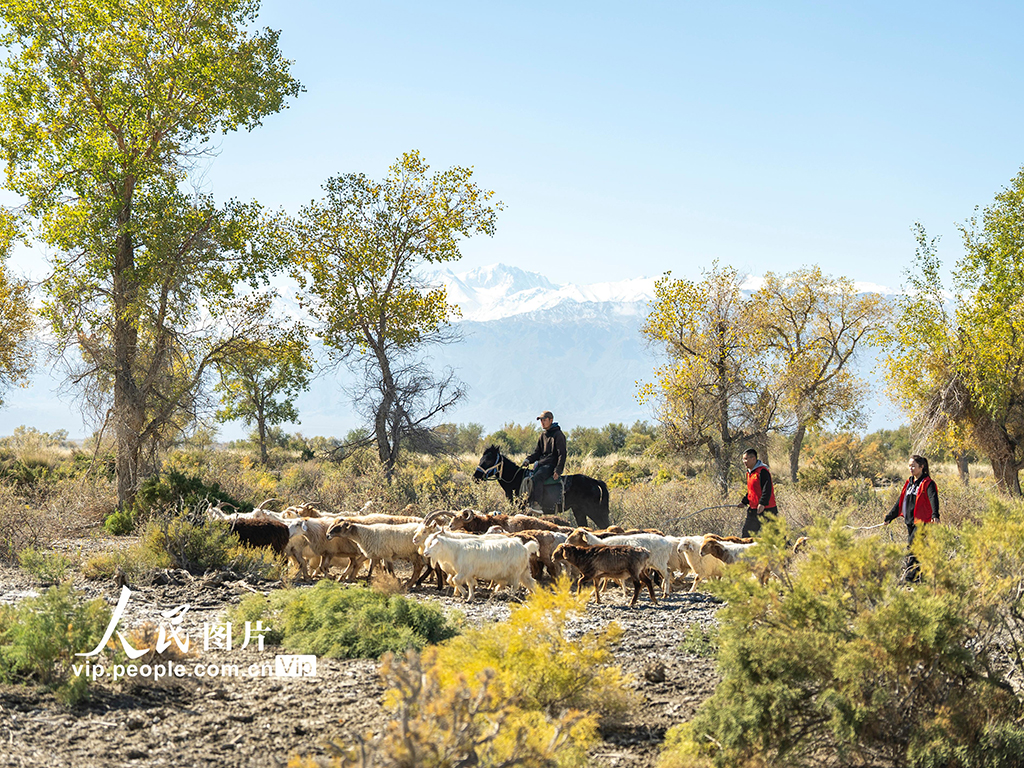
528	345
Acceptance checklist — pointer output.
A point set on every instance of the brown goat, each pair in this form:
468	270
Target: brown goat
604	562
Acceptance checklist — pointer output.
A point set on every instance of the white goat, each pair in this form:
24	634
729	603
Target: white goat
382	541
498	559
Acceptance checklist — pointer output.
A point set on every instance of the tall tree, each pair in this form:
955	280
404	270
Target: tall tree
16	316
360	251
812	326
260	381
711	396
958	367
104	104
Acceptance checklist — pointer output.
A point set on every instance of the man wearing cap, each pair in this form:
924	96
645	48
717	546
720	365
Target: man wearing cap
550	453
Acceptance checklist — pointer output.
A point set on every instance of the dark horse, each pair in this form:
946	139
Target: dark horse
585	496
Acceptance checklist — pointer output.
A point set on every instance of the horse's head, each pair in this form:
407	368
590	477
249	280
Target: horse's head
490	459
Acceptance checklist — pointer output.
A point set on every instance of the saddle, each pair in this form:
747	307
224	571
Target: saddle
551	495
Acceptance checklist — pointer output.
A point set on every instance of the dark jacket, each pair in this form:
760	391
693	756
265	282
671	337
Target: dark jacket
550	448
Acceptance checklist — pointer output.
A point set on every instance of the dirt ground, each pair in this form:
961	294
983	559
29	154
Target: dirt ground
263	719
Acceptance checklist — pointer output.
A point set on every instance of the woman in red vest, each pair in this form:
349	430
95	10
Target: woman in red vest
918	504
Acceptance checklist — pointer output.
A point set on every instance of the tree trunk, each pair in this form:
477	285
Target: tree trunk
261	428
721	452
794	453
720	459
963	466
1006	474
129	408
387	444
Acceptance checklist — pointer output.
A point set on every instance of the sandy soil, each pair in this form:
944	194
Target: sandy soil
263	720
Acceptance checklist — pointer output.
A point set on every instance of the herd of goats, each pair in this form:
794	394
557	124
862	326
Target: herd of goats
465	547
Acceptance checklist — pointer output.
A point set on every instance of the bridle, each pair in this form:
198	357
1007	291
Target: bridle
494	472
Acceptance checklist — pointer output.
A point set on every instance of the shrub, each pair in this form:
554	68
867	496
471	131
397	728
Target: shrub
522	692
39	640
179	543
47	567
537	663
174	493
120	522
345	622
700	641
438	725
840	658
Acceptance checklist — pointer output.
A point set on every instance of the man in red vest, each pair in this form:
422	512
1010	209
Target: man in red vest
918	504
760	496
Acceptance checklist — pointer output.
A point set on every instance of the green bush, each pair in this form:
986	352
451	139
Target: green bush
174	493
40	637
839	657
120	522
700	641
48	567
179	543
342	621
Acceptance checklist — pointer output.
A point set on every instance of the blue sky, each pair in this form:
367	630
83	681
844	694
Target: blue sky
630	139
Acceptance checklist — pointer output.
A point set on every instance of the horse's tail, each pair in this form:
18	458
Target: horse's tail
603	501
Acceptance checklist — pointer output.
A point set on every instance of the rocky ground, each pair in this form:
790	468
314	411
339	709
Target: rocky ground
263	719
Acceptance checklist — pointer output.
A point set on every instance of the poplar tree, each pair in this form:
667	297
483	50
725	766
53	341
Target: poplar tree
955	361
104	107
360	254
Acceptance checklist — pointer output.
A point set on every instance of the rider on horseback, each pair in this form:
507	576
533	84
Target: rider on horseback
550	454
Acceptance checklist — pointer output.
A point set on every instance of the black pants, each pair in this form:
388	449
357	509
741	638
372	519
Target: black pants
753	522
913	571
541	473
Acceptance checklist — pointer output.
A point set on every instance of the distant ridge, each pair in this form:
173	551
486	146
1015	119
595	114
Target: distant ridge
528	345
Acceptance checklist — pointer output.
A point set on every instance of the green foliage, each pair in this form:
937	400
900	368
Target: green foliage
966	354
345	621
357	254
839	657
700	641
179	543
641	439
260	380
17	320
39	640
172	493
844	456
462	438
47	567
120	522
100	156
514	438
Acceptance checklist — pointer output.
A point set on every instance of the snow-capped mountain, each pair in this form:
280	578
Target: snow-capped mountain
499	291
528	345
